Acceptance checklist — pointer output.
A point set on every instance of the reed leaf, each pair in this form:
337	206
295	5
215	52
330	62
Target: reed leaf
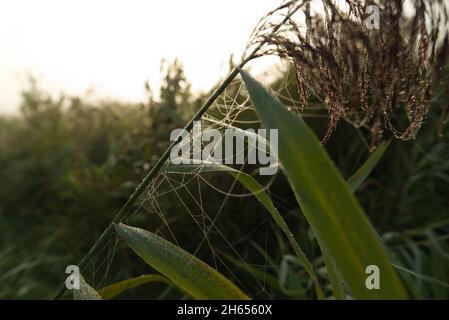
183	269
118	288
333	212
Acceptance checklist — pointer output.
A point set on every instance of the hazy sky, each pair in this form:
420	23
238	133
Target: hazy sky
115	45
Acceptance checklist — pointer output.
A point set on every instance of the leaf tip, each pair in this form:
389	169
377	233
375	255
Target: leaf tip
245	76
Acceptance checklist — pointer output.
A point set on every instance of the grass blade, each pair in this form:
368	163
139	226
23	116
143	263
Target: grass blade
364	171
337	219
422	276
118	288
186	271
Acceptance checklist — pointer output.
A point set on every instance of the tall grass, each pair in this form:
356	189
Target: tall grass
395	220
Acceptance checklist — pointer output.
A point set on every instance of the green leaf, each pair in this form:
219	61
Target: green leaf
118	288
354	183
336	217
364	171
258	191
183	269
85	292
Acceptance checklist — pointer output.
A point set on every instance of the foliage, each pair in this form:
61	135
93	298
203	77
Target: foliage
68	164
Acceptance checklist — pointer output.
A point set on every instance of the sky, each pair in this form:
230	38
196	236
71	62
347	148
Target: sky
114	46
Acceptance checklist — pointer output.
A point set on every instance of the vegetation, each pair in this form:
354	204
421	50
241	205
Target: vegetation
69	164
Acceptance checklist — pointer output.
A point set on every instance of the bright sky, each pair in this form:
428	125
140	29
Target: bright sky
115	45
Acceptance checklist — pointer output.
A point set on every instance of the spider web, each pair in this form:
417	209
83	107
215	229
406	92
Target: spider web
199	211
201	202
205	212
